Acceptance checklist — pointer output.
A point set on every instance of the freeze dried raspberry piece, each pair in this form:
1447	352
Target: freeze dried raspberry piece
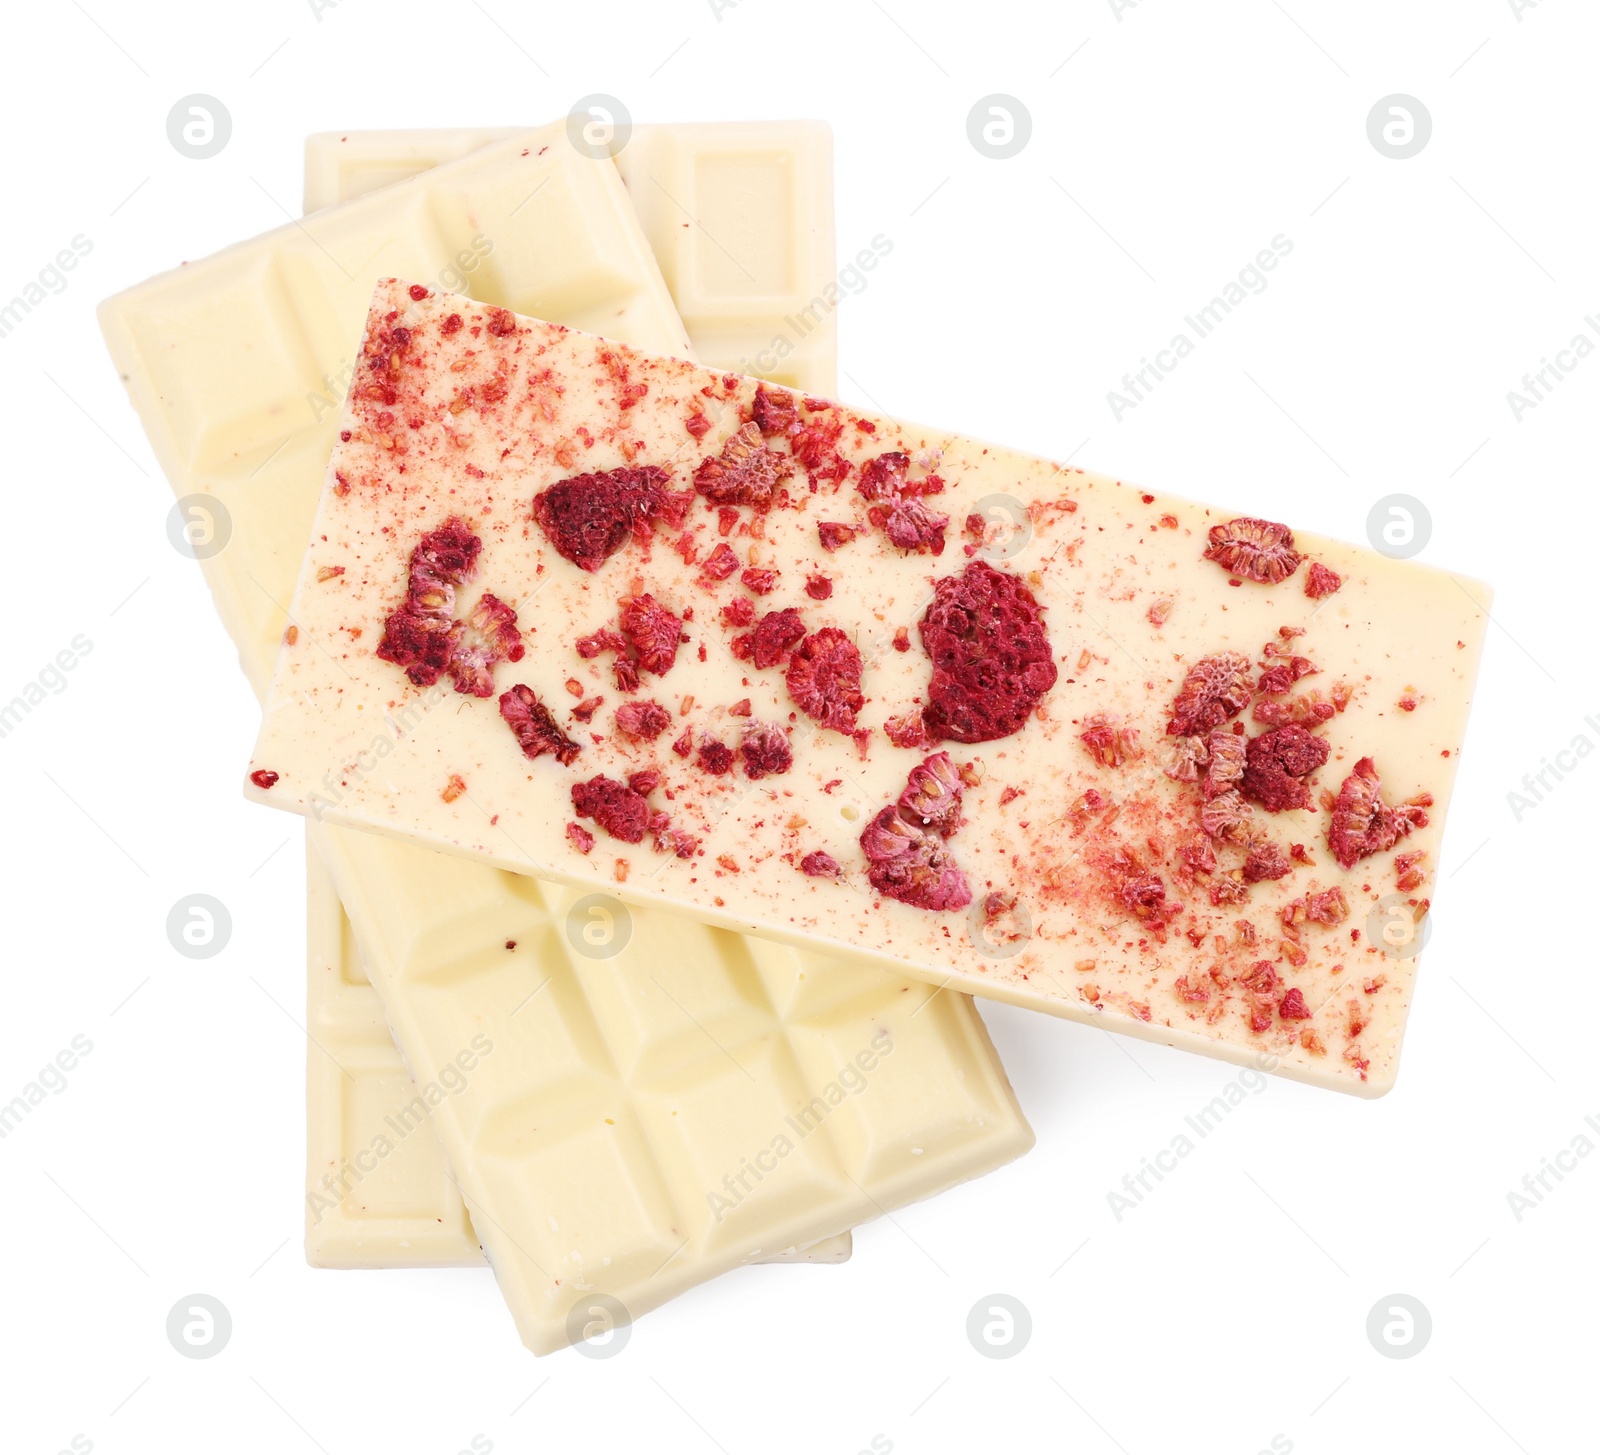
1361	823
1257	550
884	477
819	588
714	757
643	720
653	632
907	731
720	564
420	643
1183	758
904	843
1110	742
1264	859
263	778
775	633
580	838
1215	689
816	444
1226	755
620	811
775	411
745	473
1277	765
588	518
764	746
820	865
534	727
758	580
741	611
913	527
1321	581
497	623
1225	816
1293	1006
443	559
833	535
602	640
985	636
824	678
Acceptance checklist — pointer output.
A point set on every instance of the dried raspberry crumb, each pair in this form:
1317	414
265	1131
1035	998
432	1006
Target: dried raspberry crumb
902	639
620	811
1361	823
819	588
1258	550
263	778
904	843
1215	689
1110	742
645	781
820	865
907	730
644	720
774	635
833	535
884	477
580	838
775	411
1277	766
653	632
454	786
451	325
589	518
745	473
1320	581
1265	859
603	640
985	635
418	292
714	757
586	709
697	424
913	527
759	580
741	611
534	727
727	519
684	743
1293	1006
764	746
720	564
824	677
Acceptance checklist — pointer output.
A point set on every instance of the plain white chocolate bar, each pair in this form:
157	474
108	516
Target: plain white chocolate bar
379	1193
739	217
808	672
411	1214
254	319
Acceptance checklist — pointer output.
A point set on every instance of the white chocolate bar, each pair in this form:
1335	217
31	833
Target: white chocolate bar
411	1215
740	218
378	1191
1097	872
421	918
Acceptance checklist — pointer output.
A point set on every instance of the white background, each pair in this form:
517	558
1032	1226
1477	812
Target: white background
1170	143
